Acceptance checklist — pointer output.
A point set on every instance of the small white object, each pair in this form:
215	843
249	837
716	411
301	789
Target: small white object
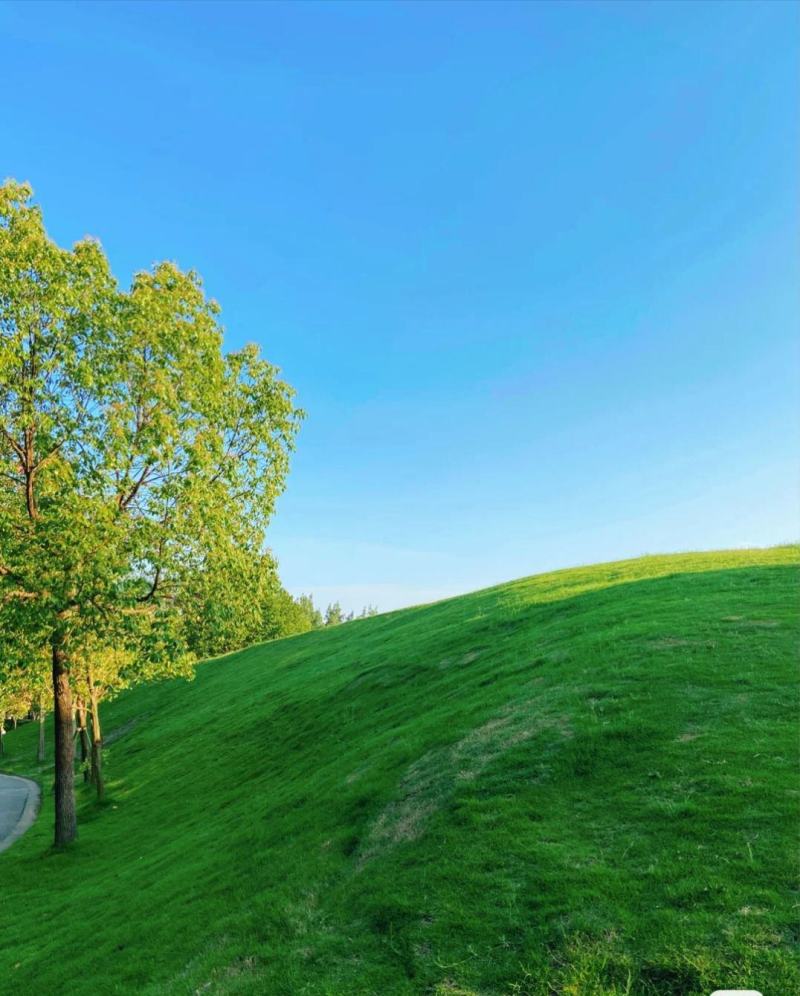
736	992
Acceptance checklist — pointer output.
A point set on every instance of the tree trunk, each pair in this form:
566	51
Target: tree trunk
83	738
97	744
40	752
66	829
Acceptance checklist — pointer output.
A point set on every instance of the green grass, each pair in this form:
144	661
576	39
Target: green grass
583	782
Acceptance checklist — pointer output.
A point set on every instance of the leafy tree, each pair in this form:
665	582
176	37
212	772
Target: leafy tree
334	614
132	451
42	706
296	615
238	600
40	691
308	613
224	602
98	672
15	700
27	691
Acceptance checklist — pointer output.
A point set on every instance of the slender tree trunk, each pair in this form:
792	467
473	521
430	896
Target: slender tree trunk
83	738
40	752
66	828
97	744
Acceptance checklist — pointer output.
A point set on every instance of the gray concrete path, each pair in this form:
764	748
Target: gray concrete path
19	804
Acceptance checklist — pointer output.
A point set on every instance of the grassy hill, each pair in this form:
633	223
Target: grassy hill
583	782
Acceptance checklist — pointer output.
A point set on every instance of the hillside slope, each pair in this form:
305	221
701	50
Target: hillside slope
582	782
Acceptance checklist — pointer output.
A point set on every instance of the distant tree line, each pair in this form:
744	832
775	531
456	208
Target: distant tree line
334	614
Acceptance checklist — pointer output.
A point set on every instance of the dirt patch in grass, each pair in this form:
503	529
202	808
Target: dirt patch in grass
743	623
433	779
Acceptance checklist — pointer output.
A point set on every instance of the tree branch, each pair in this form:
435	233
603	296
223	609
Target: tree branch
153	587
13	444
125	500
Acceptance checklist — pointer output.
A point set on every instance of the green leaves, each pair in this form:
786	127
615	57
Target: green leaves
135	456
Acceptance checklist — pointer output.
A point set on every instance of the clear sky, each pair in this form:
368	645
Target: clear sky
532	268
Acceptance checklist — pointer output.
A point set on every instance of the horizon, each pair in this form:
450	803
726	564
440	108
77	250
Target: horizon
558	569
540	316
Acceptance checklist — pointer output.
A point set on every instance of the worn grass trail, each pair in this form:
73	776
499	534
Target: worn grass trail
583	783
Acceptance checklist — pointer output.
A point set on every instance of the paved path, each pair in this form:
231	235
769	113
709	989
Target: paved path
19	804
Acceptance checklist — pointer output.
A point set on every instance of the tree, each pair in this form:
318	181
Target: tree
26	691
334	614
230	602
98	672
132	449
308	613
37	682
294	615
42	705
15	701
238	600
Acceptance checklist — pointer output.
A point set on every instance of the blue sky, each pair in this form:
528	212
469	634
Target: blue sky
532	268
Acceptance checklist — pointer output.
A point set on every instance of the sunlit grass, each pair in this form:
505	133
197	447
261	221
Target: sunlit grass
581	783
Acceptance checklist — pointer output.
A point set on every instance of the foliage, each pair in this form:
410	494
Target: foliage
334	614
579	783
102	670
134	453
26	690
287	616
133	448
307	615
237	599
15	696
